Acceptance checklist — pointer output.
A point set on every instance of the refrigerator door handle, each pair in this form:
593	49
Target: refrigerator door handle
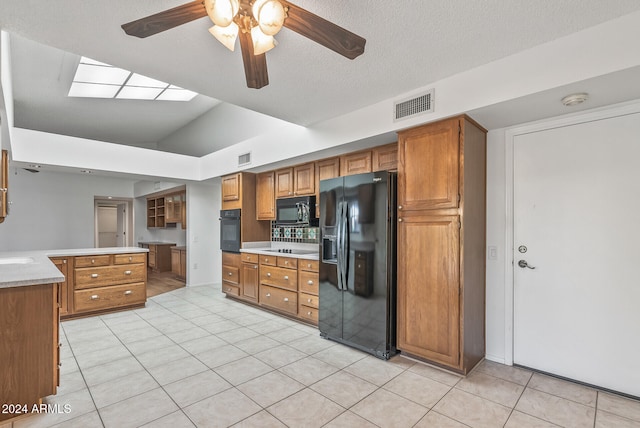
339	246
344	255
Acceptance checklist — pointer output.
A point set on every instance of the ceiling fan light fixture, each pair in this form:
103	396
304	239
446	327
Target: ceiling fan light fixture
261	42
270	15
226	35
222	12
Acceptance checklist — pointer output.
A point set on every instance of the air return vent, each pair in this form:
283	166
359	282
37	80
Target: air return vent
416	105
244	159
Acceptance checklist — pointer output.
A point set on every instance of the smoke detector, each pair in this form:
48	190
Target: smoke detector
575	99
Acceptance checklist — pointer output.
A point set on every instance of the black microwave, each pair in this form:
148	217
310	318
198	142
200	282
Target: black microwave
299	211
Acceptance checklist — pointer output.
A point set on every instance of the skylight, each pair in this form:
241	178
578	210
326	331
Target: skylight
96	79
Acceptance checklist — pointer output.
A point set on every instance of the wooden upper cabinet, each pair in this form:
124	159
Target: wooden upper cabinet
325	169
355	163
385	158
173	208
429	173
304	179
284	183
265	196
231	191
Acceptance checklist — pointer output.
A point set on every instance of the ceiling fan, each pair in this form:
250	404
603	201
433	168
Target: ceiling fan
254	22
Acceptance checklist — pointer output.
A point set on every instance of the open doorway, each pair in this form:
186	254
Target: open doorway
113	222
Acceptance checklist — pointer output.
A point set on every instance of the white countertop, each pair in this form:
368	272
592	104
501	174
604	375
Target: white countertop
38	269
311	251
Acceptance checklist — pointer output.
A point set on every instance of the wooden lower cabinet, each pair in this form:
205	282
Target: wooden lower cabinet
29	349
160	256
108	282
231	265
62	263
288	285
179	262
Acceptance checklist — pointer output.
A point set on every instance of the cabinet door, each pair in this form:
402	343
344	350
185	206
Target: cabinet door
429	287
183	264
355	163
231	191
265	196
429	171
250	281
325	169
304	179
284	183
385	158
175	262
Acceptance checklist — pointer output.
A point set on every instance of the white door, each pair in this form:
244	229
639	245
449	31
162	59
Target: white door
577	212
121	225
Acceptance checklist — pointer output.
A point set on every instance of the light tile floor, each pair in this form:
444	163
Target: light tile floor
194	358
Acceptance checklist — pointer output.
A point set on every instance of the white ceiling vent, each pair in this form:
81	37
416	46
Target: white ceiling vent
415	105
244	159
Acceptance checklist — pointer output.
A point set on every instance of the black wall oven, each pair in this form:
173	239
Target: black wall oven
230	230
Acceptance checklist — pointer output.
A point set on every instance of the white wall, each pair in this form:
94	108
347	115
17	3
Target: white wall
51	210
204	258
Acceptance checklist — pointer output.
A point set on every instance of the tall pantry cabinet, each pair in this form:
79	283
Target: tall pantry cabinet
441	243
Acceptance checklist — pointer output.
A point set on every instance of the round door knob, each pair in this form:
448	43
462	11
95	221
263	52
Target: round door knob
230	273
286	299
399	207
400	220
269	274
268	294
310	282
286	277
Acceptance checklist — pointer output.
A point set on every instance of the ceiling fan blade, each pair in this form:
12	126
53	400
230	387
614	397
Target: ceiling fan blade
255	66
323	32
154	24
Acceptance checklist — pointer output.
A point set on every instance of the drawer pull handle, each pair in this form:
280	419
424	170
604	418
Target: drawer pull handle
64	261
286	299
94	275
95	297
268	294
286	277
309	313
309	300
309	265
310	282
255	267
230	273
130	258
92	261
126	293
127	272
286	262
269	274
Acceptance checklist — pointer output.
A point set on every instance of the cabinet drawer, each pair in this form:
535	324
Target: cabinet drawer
279	277
287	262
268	260
231	289
86	261
230	259
277	298
308	313
109	297
152	259
308	282
109	275
309	300
231	274
250	258
308	265
123	259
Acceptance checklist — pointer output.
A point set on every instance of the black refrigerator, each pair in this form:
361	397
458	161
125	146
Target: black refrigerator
358	262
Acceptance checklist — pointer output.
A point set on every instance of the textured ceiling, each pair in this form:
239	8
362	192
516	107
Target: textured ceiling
412	45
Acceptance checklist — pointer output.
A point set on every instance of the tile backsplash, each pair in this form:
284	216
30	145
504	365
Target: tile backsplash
301	234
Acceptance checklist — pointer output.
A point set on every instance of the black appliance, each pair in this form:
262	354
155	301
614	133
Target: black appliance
358	262
230	230
298	211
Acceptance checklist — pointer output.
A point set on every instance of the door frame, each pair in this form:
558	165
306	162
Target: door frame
632	107
128	224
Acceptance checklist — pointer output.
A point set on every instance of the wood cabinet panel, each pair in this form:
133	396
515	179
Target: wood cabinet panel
310	300
160	257
304	179
355	163
179	262
250	281
109	275
308	282
87	261
268	260
308	313
277	298
428	271
29	348
325	169
284	182
287	262
430	159
62	263
385	158
122	259
266	196
231	265
94	299
279	277
231	188
250	258
308	265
